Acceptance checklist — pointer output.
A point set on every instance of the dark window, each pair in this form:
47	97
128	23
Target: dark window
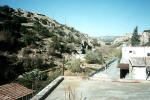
148	54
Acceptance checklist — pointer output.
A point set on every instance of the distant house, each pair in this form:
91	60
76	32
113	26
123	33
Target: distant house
135	63
15	91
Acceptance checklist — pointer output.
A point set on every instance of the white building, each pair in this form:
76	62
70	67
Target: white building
134	63
128	52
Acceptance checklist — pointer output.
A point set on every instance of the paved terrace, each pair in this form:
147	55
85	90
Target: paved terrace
78	88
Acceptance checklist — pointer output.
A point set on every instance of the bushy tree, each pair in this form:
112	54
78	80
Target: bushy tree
95	42
7	72
135	40
74	65
35	74
30	63
6	9
43	31
94	57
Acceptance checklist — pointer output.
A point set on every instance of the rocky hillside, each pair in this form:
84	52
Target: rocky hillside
107	39
119	41
144	39
30	40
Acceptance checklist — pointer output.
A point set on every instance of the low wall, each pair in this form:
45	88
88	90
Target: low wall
48	89
104	79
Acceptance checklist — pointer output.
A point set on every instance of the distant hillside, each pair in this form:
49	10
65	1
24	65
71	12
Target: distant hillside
107	39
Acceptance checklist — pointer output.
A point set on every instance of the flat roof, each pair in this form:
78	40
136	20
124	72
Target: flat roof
87	89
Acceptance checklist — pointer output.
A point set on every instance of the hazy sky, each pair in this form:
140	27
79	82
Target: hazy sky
93	17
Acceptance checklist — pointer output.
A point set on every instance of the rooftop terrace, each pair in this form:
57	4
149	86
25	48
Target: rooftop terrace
78	88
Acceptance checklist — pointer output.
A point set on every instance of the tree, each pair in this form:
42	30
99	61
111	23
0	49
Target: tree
94	57
95	43
74	65
135	40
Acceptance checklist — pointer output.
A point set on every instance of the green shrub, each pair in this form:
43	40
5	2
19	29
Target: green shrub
29	39
6	9
77	41
35	74
95	43
19	12
44	21
30	63
36	18
65	48
53	75
43	31
51	51
108	43
20	19
77	34
55	44
61	33
94	57
70	38
7	72
74	65
29	14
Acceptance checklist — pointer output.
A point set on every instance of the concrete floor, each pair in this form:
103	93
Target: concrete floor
79	89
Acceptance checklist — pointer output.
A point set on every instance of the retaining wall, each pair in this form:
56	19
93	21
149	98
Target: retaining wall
48	89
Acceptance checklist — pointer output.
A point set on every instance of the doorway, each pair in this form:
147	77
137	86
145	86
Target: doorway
123	73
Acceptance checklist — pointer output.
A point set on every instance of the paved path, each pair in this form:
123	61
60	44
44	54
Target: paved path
111	72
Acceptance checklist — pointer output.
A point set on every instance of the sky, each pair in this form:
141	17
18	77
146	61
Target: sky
92	17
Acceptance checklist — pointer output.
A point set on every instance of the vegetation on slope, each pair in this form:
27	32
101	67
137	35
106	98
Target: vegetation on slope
31	44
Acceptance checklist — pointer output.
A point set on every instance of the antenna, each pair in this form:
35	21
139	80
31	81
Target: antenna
65	20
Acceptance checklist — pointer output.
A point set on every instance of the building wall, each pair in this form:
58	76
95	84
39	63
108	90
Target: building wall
139	73
128	52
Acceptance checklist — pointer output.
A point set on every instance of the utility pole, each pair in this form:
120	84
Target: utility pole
63	66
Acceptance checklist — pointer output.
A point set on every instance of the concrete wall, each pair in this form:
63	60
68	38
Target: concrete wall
128	52
48	89
139	73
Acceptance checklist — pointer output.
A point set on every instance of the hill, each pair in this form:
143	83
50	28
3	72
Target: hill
31	41
119	41
107	39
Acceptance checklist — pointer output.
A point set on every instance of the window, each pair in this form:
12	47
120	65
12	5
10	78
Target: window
130	51
148	54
